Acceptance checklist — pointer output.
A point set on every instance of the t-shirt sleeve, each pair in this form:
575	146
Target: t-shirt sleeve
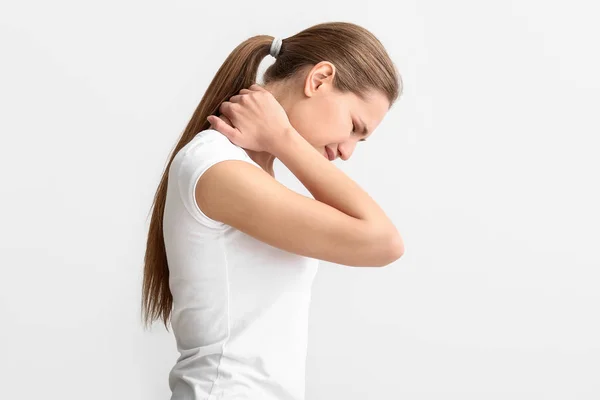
207	150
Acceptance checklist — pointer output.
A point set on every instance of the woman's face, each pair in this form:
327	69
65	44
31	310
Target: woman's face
329	119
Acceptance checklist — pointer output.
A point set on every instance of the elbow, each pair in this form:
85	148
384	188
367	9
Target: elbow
384	247
396	248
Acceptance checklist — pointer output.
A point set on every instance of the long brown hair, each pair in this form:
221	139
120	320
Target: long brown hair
362	64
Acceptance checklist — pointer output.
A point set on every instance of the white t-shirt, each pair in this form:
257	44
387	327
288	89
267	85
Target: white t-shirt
240	306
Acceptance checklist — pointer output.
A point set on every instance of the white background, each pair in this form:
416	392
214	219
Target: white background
488	165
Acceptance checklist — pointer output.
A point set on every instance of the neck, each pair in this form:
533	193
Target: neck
264	159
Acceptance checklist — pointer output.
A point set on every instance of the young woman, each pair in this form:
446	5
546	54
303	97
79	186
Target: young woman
231	252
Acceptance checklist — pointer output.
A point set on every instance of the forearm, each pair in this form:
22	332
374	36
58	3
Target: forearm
328	184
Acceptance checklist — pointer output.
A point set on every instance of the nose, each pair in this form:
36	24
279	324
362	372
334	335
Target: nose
346	149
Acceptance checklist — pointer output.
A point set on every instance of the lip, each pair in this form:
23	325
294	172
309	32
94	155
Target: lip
330	154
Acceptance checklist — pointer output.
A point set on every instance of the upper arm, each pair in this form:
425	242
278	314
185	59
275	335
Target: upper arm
245	197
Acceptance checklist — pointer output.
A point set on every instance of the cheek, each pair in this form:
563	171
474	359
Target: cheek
321	122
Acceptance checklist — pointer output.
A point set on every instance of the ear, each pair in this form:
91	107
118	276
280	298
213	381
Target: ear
320	77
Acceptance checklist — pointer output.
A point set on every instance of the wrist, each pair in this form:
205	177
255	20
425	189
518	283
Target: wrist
283	141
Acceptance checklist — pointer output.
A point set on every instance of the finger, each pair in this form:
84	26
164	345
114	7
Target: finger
237	98
226	108
221	126
227	121
245	91
228	112
257	87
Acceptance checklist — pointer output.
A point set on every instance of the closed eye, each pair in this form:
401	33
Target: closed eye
354	131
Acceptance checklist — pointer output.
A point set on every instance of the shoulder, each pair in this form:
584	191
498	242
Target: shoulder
210	138
208	145
206	149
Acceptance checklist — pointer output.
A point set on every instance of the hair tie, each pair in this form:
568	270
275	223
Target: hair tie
276	46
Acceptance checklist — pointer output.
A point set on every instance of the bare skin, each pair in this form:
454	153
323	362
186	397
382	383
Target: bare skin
342	223
325	117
